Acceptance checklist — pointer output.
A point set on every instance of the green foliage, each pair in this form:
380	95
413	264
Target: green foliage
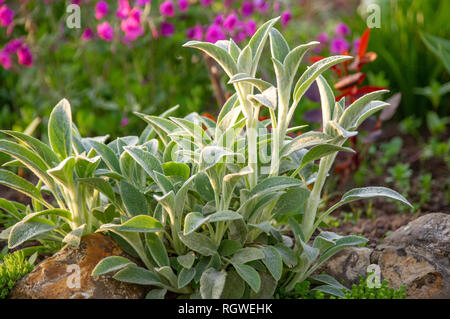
12	268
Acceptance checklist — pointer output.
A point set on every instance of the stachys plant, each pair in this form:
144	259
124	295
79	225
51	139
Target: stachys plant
209	193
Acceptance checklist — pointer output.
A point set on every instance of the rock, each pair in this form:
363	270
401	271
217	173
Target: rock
55	276
418	256
348	265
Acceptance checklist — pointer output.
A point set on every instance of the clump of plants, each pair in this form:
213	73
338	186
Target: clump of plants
12	268
214	209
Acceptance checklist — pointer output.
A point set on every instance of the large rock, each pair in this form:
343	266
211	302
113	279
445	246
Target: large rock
348	265
56	277
418	256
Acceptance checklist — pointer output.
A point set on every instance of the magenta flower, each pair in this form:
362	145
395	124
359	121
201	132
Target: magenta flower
230	22
195	33
214	33
167	29
87	34
219	19
6	16
131	26
101	10
250	27
5	59
124	9
276	6
342	29
105	31
167	8
12	46
142	2
247	9
322	38
338	45
183	5
285	18
124	122
261	5
24	55
206	3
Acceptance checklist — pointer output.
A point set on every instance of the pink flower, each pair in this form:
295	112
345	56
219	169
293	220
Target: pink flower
322	38
230	22
12	46
285	18
338	45
195	33
206	3
101	10
167	8
24	55
6	16
219	19
131	26
87	34
214	33
5	59
105	31
142	2
342	29
250	27
247	9
261	5
167	29
276	5
124	122
183	5
124	9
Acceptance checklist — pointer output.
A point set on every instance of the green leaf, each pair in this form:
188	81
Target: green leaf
250	275
217	53
212	155
10	179
111	160
186	260
327	99
225	215
65	214
21	232
268	287
257	42
64	172
272	260
273	184
203	187
185	277
331	290
228	247
311	74
167	273
110	264
157	249
101	185
261	85
199	243
291	202
234	286
341	243
212	283
141	223
60	129
247	254
278	45
268	98
320	151
244	63
305	140
138	275
133	199
352	112
193	221
287	255
156	294
177	170
368	110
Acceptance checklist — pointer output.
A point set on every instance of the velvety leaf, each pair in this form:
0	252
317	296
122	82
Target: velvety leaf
138	275
110	264
185	277
21	232
60	129
234	286
199	243
187	261
10	179
212	283
193	221
133	199
250	275
107	155
157	249
101	185
247	254
273	261
176	169
228	247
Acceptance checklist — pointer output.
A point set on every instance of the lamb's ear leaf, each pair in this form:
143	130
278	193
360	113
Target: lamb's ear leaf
60	129
23	231
212	283
370	109
227	107
272	260
101	185
110	264
199	243
247	254
74	237
260	84
157	249
313	72
134	201
176	170
138	275
278	45
244	63
63	173
107	154
327	99
16	182
352	112
250	276
217	53
187	261
185	277
320	151
156	294
268	98
193	221
257	42
234	50
65	214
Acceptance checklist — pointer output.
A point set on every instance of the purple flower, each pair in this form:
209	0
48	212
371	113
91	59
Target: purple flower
6	16
276	5
167	8
219	19
12	46
285	18
195	33
342	29
247	9
250	27
240	36
206	3
230	22
183	5
167	29
24	55
338	45
322	38
5	59
101	10
124	9
105	31
356	44
87	34
124	122
214	33
142	2
261	5
131	26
